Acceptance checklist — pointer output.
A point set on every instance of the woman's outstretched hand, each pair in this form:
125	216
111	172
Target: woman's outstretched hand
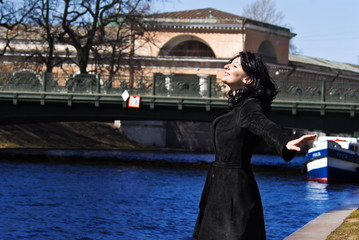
295	144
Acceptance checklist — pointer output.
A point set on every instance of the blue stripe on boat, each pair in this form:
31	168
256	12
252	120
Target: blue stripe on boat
342	155
352	157
317	154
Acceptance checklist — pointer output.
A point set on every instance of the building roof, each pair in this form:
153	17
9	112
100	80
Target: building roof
322	63
198	14
210	18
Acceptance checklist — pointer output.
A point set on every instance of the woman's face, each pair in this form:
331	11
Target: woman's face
234	75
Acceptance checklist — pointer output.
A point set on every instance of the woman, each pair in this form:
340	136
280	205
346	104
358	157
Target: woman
230	206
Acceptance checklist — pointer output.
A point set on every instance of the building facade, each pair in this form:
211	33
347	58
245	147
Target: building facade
200	42
193	46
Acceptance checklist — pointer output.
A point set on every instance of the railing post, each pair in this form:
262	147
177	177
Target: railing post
323	91
98	83
44	82
209	90
154	85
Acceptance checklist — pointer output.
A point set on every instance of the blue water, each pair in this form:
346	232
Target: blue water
47	200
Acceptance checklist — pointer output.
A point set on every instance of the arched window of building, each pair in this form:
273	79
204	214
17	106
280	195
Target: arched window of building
267	51
186	46
191	49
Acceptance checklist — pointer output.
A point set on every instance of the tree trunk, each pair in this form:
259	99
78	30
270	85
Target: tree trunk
83	58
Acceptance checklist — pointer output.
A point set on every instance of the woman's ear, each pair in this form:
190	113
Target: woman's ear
247	80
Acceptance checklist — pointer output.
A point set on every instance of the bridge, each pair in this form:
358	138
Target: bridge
31	97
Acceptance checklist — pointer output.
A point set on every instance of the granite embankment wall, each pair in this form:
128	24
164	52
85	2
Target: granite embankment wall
101	135
192	136
89	135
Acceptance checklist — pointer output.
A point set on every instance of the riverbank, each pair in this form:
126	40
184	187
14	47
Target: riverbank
74	135
85	141
336	224
349	229
332	225
182	136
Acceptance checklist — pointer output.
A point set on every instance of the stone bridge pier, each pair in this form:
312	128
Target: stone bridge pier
169	134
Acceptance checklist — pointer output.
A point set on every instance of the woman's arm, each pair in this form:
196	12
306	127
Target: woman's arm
281	140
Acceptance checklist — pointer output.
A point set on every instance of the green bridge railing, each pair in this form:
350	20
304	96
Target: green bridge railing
170	86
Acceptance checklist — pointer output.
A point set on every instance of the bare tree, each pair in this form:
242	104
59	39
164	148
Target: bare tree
122	44
264	11
43	29
293	49
12	15
104	29
81	25
119	44
84	23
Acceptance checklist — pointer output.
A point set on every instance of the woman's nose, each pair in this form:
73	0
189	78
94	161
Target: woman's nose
226	66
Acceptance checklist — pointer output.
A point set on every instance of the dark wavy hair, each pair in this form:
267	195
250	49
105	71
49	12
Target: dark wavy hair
262	87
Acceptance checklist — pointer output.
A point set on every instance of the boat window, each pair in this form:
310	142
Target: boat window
353	147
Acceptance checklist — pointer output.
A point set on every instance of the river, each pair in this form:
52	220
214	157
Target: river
53	200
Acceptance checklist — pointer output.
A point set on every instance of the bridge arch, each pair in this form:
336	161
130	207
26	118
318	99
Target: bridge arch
187	46
267	51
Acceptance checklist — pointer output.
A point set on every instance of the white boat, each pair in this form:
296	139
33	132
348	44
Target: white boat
333	159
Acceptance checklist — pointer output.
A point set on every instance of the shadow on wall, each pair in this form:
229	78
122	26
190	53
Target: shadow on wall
194	136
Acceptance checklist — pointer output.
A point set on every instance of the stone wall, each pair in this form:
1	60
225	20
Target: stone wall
194	136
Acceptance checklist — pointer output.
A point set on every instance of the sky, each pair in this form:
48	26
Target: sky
327	29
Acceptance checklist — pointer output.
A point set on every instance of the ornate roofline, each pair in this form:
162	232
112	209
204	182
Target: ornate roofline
210	19
194	25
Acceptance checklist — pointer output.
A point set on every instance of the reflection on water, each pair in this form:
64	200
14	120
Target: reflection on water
77	201
316	191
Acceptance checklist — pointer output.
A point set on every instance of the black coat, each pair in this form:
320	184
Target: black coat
230	206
